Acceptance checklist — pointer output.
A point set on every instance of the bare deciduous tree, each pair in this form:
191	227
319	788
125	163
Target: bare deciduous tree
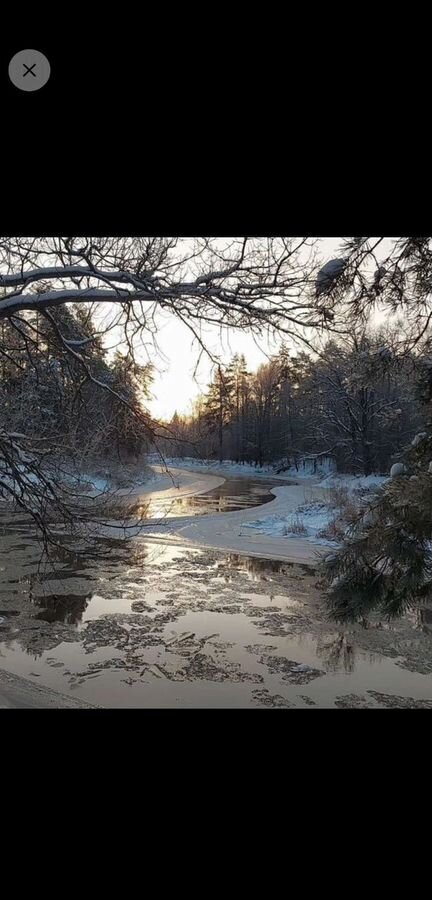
123	286
116	290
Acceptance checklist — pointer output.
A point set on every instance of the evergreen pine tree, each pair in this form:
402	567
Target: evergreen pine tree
219	405
385	565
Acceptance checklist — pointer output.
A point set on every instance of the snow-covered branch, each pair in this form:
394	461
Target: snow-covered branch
19	302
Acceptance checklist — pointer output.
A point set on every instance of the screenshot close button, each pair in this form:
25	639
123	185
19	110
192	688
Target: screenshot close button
29	70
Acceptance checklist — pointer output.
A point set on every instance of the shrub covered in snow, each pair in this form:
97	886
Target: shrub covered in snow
398	469
295	526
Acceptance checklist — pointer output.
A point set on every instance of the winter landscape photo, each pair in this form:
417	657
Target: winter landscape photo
216	472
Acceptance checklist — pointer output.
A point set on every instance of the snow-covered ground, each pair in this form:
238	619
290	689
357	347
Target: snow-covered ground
289	528
90	483
247	470
301	512
296	525
228	466
353	482
158	477
312	518
155	476
325	477
228	531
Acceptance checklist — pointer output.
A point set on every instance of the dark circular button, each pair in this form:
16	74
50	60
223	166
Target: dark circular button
29	70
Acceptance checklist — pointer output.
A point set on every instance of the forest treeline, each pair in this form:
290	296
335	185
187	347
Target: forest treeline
357	401
87	408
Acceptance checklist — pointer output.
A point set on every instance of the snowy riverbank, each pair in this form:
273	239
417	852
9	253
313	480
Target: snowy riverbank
234	469
322	521
305	517
298	525
227	531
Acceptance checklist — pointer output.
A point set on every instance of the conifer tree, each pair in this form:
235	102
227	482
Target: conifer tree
219	405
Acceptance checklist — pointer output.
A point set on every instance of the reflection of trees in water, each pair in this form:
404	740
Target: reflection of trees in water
337	653
66	608
255	566
33	644
206	503
62	588
231	496
187	505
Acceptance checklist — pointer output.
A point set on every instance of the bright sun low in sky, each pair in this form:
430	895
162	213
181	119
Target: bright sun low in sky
175	387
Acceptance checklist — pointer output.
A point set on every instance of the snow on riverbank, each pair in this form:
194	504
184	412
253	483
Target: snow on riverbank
314	509
307	522
228	466
100	481
323	522
353	482
156	477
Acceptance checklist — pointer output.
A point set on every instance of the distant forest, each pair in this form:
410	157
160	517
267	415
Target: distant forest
357	401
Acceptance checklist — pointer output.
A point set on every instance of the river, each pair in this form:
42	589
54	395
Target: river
163	622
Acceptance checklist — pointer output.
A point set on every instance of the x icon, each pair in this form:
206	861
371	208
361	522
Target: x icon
29	69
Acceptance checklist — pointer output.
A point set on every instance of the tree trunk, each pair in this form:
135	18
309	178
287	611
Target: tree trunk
220	425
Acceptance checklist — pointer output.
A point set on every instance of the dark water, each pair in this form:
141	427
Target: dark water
234	494
158	624
154	623
74	609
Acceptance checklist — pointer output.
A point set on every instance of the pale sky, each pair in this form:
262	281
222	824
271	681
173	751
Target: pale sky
175	388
